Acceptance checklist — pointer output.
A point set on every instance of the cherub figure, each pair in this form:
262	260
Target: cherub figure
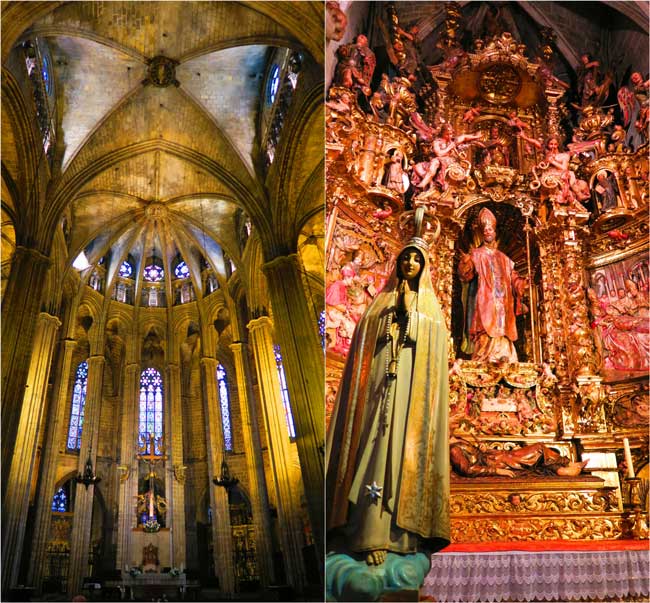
471	114
517	124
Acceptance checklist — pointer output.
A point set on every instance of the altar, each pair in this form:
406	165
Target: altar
144	587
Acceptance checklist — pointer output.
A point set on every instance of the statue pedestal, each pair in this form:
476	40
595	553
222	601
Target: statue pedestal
399	578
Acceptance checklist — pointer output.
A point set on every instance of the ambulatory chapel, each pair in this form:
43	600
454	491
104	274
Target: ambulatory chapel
162	286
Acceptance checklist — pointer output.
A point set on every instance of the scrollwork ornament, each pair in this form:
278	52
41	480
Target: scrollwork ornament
526	528
543	502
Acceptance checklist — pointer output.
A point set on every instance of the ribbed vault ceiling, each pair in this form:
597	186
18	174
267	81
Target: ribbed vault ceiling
182	157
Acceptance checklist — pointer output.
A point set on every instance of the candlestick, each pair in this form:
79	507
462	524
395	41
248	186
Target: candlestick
151	506
628	458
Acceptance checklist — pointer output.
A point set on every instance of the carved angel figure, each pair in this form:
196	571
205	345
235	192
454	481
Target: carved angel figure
635	106
356	65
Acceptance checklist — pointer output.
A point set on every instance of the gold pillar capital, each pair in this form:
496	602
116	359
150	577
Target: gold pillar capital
207	361
49	318
263	322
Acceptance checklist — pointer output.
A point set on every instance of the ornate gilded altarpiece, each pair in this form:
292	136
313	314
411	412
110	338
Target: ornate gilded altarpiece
580	386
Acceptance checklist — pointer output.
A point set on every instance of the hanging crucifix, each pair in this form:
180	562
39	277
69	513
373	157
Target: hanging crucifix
151	450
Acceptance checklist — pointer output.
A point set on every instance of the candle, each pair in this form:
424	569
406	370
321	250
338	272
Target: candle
628	458
151	505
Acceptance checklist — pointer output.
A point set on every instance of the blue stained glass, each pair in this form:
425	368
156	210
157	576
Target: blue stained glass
151	400
321	328
153	273
60	501
274	83
126	270
224	403
77	407
284	392
46	75
181	270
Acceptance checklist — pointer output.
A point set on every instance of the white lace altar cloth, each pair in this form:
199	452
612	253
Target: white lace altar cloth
537	576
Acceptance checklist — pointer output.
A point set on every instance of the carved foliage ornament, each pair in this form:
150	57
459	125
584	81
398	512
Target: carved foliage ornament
525	528
541	502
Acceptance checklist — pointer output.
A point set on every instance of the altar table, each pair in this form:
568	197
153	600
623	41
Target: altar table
539	575
149	582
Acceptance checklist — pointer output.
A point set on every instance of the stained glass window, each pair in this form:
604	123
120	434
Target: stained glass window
321	327
60	501
153	273
181	270
284	391
274	83
280	89
224	403
126	270
77	408
46	74
38	69
151	406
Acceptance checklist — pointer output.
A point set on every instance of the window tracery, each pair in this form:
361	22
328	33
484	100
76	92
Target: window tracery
321	327
77	409
224	403
182	270
284	391
126	270
61	501
281	84
154	273
151	406
39	73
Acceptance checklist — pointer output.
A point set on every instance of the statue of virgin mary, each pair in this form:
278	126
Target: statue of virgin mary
387	446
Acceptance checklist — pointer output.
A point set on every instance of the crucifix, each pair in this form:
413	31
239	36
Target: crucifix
147	453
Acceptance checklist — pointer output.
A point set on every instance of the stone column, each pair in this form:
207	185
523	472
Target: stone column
178	475
254	463
304	366
261	330
221	531
56	432
20	309
16	506
128	467
83	506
